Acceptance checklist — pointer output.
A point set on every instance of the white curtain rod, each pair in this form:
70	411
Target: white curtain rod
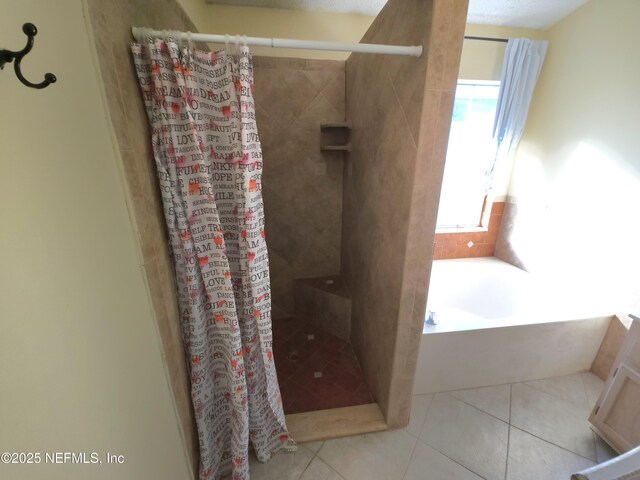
413	51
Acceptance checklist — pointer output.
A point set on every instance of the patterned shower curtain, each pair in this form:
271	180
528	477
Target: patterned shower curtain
209	164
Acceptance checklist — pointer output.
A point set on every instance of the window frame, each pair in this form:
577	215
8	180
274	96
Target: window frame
487	202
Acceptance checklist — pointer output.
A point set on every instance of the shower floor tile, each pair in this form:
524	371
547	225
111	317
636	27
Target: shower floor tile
316	370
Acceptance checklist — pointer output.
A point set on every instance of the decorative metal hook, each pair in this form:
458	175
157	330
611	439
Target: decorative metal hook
6	56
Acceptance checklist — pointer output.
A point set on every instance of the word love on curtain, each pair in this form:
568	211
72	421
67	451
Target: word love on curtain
209	164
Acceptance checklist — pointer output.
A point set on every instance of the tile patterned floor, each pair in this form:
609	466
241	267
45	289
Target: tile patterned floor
523	431
316	370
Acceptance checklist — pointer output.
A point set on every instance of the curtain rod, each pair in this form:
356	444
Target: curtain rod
413	51
487	39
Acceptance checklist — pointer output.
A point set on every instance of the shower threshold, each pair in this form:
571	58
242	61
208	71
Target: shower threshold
336	422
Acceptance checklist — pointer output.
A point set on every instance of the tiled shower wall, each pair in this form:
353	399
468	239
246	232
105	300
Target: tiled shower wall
504	247
400	109
111	22
302	187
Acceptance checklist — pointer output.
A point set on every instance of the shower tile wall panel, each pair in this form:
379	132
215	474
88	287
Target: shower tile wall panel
400	110
609	348
326	306
302	187
111	22
504	247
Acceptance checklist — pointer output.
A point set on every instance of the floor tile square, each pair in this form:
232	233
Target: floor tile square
603	451
341	377
461	434
283	466
314	446
531	458
375	456
316	370
419	406
318	470
303	400
346	360
593	386
467	435
329	392
568	387
362	395
429	464
491	400
557	421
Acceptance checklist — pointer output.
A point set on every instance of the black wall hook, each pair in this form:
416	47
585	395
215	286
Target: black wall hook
6	56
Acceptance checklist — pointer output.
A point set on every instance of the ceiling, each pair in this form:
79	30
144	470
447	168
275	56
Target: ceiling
512	13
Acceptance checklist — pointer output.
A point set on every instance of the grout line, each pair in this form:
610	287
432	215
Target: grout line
584	389
332	469
526	384
308	105
413	449
281	129
510	425
424	420
473	388
454	461
546	440
555	445
593	434
510	399
506	463
307	467
431	446
414	141
595	445
473	406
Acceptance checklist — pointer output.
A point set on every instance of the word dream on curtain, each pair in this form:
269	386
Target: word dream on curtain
523	59
209	164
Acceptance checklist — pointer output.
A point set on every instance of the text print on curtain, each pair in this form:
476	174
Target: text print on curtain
209	164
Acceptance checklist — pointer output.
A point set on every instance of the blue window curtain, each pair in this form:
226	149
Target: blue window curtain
523	59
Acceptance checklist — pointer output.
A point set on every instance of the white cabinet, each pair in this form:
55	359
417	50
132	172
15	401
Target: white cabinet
616	415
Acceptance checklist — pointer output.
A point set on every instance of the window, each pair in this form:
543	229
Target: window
469	154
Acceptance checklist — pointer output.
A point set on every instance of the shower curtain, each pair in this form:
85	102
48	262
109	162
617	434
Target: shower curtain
209	165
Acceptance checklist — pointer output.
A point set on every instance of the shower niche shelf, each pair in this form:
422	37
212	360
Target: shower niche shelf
336	148
335	137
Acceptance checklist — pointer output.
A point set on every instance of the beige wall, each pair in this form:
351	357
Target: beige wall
577	174
80	365
482	60
111	31
283	23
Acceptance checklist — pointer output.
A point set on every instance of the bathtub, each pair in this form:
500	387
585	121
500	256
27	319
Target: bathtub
498	324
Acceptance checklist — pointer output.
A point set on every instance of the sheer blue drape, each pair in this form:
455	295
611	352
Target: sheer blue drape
523	59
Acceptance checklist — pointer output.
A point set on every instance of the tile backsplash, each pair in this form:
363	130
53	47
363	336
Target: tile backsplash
471	244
